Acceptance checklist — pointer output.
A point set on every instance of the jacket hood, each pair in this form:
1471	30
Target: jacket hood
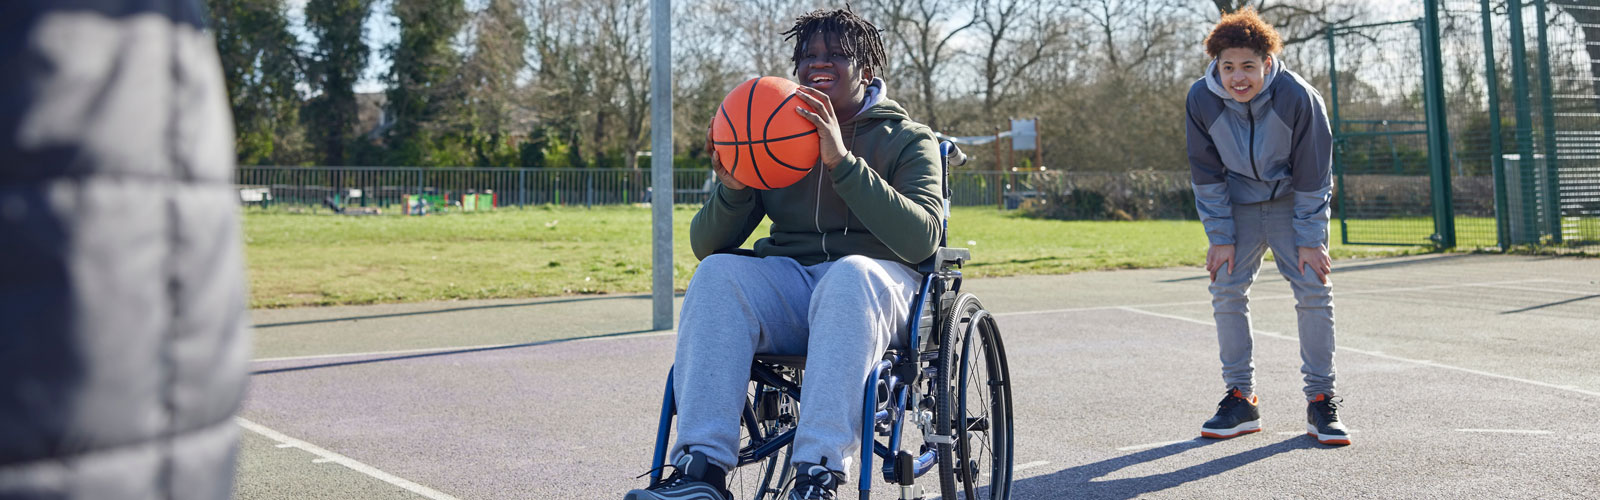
1214	81
877	105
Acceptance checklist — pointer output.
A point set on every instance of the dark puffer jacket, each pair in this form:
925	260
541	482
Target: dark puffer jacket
123	346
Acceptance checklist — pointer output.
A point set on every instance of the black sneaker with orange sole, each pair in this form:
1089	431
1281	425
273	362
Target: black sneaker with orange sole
1322	421
1235	416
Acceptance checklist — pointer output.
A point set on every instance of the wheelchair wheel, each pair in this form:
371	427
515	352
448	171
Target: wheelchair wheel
973	406
768	412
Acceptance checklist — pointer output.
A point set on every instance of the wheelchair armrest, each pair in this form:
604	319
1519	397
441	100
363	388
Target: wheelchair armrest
945	258
737	251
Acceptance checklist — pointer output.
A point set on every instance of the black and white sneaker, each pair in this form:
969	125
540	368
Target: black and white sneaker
815	481
1235	416
693	478
1322	421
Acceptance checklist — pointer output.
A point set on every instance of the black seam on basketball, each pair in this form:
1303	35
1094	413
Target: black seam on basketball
767	144
763	141
735	132
750	102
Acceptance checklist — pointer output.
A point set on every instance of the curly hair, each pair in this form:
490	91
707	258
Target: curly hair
858	38
1243	29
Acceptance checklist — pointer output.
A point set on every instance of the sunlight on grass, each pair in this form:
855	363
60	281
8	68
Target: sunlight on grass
308	259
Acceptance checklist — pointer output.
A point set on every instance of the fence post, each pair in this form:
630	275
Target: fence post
1444	221
588	195
1338	164
1552	182
1519	87
1502	213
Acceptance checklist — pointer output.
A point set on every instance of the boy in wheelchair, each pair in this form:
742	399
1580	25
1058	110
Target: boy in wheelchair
834	281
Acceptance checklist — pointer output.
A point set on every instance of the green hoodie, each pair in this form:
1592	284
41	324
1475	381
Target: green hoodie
881	201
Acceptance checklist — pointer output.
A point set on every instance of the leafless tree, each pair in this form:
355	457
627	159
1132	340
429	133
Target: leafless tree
1016	36
1298	20
918	35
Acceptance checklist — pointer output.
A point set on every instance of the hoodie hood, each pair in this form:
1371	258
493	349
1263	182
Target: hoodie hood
1214	82
877	104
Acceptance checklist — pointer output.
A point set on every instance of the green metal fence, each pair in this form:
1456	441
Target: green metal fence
1380	129
388	187
1477	125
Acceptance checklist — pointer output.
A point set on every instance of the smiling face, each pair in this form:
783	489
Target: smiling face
824	66
1242	71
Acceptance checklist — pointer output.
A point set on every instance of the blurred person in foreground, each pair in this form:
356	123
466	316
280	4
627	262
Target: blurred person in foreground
123	346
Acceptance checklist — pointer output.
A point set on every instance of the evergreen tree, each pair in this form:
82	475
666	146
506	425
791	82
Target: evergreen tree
261	68
335	64
425	91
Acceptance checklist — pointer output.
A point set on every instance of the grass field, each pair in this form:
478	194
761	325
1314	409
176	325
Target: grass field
310	259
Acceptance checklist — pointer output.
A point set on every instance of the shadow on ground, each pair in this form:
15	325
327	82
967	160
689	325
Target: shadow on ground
1080	481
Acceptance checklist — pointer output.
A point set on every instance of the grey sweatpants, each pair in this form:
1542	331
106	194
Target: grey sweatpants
1258	226
841	315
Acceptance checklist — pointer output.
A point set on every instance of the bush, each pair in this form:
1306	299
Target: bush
1133	195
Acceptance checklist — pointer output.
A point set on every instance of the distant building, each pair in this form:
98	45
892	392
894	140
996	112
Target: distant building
373	118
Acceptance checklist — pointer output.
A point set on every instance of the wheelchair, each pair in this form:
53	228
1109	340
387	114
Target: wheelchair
942	401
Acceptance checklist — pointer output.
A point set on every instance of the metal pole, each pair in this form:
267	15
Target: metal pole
1502	213
1552	184
1444	220
1519	89
1338	127
661	162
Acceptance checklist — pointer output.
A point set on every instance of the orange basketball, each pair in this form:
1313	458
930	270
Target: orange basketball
759	137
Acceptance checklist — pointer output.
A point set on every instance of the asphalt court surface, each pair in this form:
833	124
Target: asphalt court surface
1463	376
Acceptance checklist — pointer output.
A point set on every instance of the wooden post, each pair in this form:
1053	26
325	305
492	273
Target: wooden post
999	190
1038	146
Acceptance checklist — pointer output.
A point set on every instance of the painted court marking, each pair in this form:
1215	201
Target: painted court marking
1029	465
1274	297
460	348
1135	308
998	315
1147	446
329	456
1423	362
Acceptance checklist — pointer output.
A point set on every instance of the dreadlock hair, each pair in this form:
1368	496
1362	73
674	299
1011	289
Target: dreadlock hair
858	38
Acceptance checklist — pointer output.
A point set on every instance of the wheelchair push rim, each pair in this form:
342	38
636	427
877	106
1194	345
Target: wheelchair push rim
770	414
975	406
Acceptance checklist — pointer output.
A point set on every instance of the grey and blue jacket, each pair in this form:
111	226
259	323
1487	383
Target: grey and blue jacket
1276	145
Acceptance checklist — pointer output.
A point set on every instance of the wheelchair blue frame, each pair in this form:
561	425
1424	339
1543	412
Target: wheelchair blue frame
898	373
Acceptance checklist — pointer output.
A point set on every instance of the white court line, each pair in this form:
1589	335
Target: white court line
1508	431
1029	465
463	348
345	461
1545	290
1273	297
1004	314
1147	446
1423	362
